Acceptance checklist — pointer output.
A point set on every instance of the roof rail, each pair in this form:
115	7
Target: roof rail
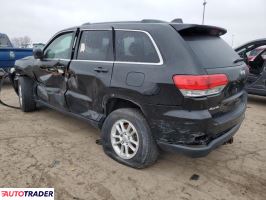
177	20
87	23
152	21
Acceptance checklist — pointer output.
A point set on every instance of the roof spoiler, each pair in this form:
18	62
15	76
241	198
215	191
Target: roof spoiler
195	29
177	20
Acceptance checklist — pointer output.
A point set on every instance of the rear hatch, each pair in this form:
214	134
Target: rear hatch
217	58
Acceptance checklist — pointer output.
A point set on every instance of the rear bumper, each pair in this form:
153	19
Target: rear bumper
195	133
199	150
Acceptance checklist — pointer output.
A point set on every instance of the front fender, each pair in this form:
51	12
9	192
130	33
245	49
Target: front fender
25	66
111	96
22	67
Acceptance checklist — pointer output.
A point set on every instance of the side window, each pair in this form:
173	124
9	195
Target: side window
60	47
134	46
96	45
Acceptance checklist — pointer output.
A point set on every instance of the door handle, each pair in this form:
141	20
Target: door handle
48	68
100	70
60	69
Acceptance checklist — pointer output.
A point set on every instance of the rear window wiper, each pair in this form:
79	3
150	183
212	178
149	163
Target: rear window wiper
239	60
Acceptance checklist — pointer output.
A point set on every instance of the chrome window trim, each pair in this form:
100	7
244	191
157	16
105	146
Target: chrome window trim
99	61
95	29
49	59
127	62
154	45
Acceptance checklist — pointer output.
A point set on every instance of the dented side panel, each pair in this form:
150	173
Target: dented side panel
86	88
173	125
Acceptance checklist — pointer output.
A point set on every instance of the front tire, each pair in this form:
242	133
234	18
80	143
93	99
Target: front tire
126	138
25	93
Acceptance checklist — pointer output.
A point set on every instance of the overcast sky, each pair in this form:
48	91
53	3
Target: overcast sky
245	19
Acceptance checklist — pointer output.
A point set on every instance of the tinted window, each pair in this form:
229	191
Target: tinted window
212	51
96	45
60	47
133	46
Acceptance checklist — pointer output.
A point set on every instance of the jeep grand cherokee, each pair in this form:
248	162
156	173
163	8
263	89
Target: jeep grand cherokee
147	85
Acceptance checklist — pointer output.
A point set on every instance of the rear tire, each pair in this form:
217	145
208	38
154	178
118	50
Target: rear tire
25	93
126	138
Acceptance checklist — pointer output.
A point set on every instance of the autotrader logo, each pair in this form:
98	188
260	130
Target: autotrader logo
27	193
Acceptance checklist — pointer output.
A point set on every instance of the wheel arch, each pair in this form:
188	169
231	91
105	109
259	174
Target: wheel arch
114	102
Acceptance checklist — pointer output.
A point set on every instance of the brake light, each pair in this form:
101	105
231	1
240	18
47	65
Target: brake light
200	85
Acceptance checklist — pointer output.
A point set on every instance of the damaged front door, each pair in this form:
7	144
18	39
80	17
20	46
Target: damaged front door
90	73
51	70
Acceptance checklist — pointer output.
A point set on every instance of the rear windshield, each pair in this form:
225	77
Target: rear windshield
212	51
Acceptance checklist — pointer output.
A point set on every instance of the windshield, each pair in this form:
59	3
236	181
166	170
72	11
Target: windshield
212	51
4	41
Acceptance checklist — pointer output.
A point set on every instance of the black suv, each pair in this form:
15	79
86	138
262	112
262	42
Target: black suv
147	85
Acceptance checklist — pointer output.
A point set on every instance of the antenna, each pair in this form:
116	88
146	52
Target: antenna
203	16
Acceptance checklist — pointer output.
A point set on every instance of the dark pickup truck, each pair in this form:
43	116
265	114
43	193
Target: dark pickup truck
9	54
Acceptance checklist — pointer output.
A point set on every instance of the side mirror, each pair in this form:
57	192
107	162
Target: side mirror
38	54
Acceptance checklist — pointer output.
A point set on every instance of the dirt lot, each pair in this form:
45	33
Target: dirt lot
49	149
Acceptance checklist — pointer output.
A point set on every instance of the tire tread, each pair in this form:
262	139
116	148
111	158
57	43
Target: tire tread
28	102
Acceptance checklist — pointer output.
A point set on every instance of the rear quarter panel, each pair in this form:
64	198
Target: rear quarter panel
157	85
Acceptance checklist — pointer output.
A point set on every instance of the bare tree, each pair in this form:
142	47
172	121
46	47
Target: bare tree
21	42
15	42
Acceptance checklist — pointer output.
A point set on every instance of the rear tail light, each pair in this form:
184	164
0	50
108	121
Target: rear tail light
200	85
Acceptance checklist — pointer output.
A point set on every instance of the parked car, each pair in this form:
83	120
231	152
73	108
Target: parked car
255	52
256	83
147	85
9	54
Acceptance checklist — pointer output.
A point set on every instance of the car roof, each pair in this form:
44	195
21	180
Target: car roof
149	24
124	24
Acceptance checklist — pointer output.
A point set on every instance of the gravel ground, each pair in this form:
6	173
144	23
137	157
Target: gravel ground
48	149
